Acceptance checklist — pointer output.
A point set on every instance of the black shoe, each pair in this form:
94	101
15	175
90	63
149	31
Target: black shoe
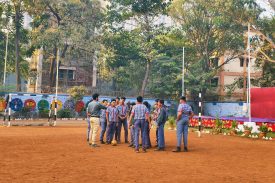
95	145
131	145
159	149
185	149
176	150
102	142
107	143
126	142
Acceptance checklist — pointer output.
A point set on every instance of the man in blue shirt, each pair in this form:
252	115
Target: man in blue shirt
112	119
103	121
140	113
162	116
184	113
122	120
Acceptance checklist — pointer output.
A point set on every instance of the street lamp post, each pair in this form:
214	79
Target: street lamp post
182	72
56	87
249	74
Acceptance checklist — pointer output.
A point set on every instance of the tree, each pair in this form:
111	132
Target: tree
18	38
69	26
140	19
120	60
264	52
18	21
211	29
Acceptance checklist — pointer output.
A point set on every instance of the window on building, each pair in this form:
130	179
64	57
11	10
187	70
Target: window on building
214	82
71	75
242	61
61	74
214	62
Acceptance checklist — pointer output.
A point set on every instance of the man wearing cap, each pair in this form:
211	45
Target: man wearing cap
94	108
122	120
184	113
112	119
162	116
140	113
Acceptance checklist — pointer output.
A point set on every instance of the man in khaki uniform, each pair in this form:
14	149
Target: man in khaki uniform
94	108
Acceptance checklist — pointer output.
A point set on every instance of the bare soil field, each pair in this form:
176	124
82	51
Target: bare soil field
61	154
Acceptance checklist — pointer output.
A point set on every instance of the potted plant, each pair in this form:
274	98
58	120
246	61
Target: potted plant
233	129
263	130
247	130
218	126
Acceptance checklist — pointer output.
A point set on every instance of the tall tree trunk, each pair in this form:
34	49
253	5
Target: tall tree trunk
17	45
53	69
145	80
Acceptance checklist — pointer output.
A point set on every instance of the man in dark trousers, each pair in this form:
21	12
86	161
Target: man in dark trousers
140	113
131	126
162	116
103	121
184	113
112	119
155	116
122	120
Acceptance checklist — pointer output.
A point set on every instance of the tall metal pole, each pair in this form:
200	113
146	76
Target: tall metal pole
200	115
182	71
249	65
56	86
6	56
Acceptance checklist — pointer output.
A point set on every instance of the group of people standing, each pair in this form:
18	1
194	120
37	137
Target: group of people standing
112	116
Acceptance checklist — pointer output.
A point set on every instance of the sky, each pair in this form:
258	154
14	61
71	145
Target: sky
269	12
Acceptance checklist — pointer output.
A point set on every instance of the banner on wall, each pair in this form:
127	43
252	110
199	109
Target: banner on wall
263	102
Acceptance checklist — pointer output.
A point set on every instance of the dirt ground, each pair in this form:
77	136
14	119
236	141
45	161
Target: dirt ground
61	154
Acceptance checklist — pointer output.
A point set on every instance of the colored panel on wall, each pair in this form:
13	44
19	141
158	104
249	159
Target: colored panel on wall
79	106
30	103
2	104
59	105
263	102
43	104
16	104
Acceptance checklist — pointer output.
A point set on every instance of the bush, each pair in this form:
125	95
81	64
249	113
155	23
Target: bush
77	92
65	113
44	113
263	128
234	125
247	127
25	112
218	126
171	121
